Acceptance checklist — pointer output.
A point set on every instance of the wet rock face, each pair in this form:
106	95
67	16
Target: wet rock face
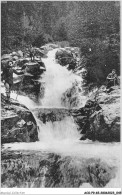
70	98
51	114
18	125
67	57
51	170
100	119
103	131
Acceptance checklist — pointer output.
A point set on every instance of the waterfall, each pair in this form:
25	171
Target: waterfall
65	130
62	137
57	80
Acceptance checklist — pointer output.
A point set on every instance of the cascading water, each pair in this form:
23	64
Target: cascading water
57	80
62	137
65	130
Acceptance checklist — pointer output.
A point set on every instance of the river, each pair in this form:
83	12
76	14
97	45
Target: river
62	137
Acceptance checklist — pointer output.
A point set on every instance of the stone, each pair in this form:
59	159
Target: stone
21	123
22	61
33	68
15	58
31	168
51	114
64	57
102	120
20	53
14	53
6	57
15	124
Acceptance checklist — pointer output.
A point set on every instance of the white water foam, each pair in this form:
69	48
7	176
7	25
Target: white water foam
58	131
21	99
109	153
57	80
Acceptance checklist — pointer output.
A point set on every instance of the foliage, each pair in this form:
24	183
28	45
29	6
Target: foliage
91	25
41	40
63	20
101	57
60	33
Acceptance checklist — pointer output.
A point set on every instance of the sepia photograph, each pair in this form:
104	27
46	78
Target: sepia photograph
60	96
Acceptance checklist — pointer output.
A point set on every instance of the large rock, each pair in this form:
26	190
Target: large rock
17	124
51	114
43	169
65	57
105	124
6	57
102	120
20	53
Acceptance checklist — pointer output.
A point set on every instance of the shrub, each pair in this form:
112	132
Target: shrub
41	40
101	57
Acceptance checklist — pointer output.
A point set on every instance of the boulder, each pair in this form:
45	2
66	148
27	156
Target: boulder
39	52
33	68
15	57
17	124
20	53
63	56
51	114
14	53
102	129
102	120
48	47
6	57
22	61
43	169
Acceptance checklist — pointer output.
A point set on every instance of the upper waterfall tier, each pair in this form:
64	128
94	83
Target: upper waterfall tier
57	80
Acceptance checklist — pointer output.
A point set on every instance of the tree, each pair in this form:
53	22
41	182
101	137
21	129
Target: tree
60	30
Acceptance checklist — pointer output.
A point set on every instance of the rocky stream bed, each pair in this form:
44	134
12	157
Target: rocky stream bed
45	144
98	120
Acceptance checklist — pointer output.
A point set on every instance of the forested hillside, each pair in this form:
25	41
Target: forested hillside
94	26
